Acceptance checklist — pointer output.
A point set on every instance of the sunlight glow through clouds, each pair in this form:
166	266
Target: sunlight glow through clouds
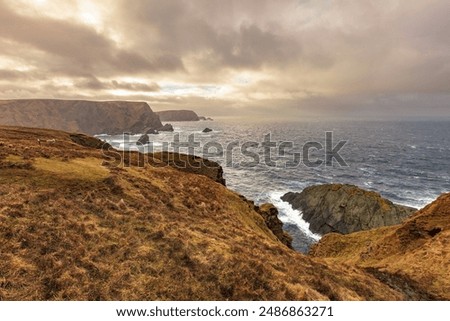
294	55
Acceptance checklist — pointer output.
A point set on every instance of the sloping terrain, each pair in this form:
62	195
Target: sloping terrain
413	257
74	225
90	117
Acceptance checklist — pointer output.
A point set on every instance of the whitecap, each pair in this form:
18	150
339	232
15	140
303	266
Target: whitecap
289	215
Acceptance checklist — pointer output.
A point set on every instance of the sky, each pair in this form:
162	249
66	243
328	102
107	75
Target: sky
286	59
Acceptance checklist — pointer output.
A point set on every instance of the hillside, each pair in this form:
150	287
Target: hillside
90	117
75	225
413	257
177	115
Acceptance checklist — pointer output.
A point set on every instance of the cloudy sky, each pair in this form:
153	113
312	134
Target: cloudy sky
287	59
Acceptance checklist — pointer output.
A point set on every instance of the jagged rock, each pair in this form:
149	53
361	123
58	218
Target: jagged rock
90	117
156	130
143	140
207	130
166	128
151	131
345	208
192	164
270	214
88	141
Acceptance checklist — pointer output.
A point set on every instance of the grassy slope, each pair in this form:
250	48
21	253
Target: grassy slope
74	227
413	257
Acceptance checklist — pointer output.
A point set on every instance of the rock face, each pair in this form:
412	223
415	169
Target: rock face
192	164
143	140
345	208
412	257
177	115
151	131
156	130
90	117
270	214
166	128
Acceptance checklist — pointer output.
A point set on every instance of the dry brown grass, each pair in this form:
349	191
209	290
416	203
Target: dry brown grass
74	229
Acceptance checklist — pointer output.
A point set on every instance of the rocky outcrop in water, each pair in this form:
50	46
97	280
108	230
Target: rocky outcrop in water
90	117
345	208
177	115
207	130
143	140
166	128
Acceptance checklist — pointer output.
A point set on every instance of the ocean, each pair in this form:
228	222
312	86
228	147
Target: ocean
406	162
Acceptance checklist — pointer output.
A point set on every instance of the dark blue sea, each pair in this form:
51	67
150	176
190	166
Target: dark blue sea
406	162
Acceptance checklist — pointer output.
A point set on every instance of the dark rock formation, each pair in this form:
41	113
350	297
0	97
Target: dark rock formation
270	214
151	131
192	164
177	115
166	128
207	130
156	130
90	117
143	140
88	141
345	208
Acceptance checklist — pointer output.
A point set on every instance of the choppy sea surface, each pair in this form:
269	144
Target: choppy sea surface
406	162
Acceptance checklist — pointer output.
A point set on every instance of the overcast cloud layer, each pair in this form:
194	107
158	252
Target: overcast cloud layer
301	58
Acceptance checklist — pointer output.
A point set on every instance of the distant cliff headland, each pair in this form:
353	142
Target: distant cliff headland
90	117
180	115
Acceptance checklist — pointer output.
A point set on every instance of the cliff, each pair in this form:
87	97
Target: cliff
90	117
412	257
345	208
177	115
81	221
